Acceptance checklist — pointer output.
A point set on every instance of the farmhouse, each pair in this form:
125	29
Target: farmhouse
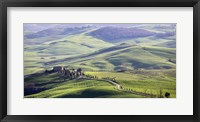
57	68
66	71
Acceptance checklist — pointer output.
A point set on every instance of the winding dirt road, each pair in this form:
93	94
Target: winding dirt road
128	91
119	87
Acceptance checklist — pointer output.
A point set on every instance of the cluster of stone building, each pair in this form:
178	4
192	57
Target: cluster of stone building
67	72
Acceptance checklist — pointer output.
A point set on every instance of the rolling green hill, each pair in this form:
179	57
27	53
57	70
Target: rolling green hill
153	82
76	88
125	55
35	55
170	44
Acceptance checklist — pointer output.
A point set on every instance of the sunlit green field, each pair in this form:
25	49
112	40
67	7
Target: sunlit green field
88	89
151	82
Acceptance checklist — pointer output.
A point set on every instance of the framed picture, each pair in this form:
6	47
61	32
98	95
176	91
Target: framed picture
100	60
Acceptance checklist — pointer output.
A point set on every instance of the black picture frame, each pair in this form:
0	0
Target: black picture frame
99	3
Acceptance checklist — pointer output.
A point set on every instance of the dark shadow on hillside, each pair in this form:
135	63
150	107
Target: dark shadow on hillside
88	94
29	91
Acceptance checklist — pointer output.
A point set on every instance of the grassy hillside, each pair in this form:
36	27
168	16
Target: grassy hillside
80	89
114	34
129	56
36	54
145	81
154	82
170	44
